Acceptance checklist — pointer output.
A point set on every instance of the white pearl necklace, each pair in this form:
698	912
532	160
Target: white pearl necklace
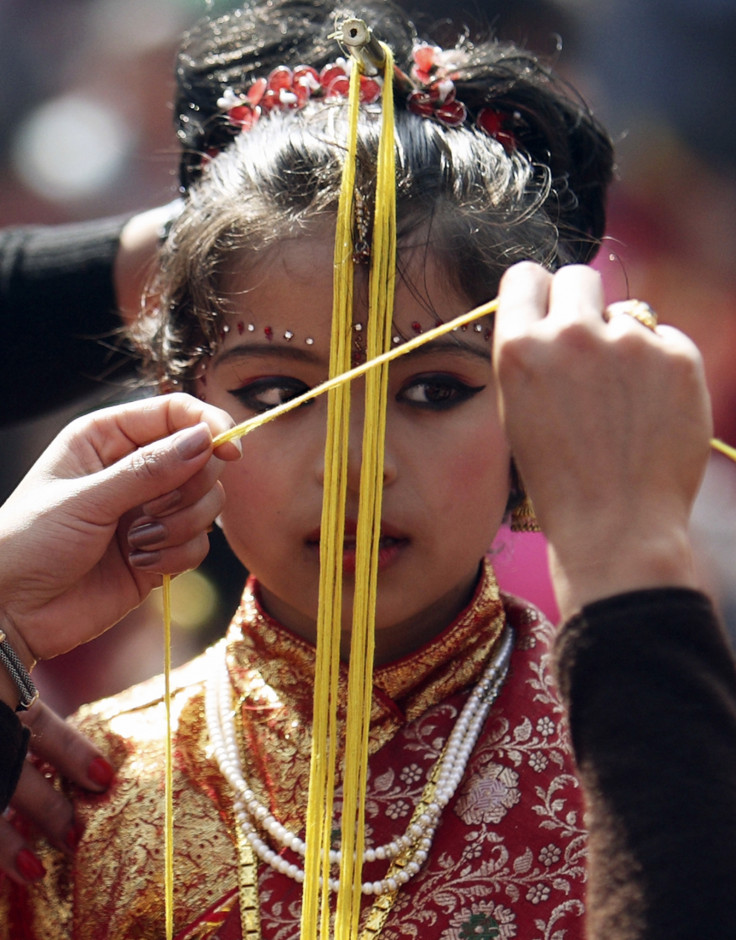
415	842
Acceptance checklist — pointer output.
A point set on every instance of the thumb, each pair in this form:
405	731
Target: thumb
151	471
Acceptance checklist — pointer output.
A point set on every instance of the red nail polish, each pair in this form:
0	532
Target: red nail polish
100	772
29	866
73	835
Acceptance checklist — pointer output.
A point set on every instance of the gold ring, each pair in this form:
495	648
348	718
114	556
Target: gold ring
637	309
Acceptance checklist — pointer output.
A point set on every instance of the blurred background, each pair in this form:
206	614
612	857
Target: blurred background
86	131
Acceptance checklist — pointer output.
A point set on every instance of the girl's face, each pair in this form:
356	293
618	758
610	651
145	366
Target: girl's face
446	476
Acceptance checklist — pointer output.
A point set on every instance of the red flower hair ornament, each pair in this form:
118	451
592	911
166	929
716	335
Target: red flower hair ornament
434	73
288	89
431	93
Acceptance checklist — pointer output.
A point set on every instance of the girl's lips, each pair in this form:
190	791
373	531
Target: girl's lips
389	550
391	545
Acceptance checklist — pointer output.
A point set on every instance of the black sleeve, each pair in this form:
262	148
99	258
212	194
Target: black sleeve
57	314
13	747
650	685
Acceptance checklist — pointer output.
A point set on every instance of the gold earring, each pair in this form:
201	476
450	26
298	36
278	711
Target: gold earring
523	517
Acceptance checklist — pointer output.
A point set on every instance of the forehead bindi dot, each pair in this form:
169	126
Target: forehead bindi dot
288	335
251	327
309	341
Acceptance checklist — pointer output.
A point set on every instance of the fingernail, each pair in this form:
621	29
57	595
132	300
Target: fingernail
192	441
73	835
29	866
148	533
100	772
144	559
235	442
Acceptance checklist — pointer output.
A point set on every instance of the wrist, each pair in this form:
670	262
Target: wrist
592	573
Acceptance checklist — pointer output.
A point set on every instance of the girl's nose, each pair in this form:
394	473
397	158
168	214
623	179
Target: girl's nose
355	459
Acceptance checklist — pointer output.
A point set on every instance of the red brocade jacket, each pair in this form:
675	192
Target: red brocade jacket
508	857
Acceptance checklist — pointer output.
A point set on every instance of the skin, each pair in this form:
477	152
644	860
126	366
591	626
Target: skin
446	470
135	257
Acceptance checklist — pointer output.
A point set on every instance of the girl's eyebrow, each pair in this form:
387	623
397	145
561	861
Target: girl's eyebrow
443	345
261	350
451	345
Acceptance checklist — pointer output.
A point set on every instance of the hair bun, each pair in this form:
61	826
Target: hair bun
554	127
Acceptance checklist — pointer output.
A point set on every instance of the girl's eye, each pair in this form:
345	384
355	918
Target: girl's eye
437	392
270	392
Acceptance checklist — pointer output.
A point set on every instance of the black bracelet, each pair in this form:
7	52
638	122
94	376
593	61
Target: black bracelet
27	691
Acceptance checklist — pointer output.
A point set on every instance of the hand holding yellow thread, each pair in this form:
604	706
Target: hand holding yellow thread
122	496
610	426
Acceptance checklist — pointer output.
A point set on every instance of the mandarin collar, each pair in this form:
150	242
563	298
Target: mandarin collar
446	663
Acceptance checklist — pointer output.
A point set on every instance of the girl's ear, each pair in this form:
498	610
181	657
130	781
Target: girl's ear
199	382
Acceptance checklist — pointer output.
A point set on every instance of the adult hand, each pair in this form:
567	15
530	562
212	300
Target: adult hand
37	803
609	424
120	497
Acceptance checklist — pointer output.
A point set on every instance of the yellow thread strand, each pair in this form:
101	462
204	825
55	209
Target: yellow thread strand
360	686
169	774
724	449
315	903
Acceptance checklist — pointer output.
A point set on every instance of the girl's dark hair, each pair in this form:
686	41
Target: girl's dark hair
460	195
553	126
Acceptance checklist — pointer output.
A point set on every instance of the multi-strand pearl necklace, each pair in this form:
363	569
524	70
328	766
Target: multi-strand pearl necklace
413	846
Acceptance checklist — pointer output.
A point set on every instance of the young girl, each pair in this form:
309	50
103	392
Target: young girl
494	166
